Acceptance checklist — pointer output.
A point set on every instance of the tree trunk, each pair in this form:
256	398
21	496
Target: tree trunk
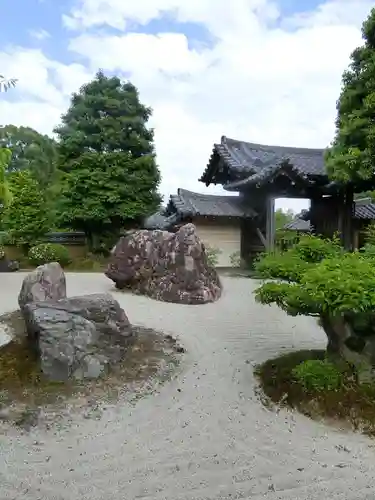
347	348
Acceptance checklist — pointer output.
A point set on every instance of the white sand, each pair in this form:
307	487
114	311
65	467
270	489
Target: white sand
205	435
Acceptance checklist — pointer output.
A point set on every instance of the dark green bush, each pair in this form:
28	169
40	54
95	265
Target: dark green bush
26	218
318	375
49	252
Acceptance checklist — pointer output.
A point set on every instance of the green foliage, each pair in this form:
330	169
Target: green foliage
92	263
49	252
2	252
235	259
344	284
370	234
212	255
5	197
286	265
290	265
318	375
26	218
282	218
368	248
106	116
316	277
103	192
365	194
352	154
285	238
313	249
106	154
30	151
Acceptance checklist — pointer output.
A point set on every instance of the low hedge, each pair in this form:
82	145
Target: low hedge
49	252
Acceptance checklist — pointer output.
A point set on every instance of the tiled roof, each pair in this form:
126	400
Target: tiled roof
301	225
247	159
187	203
363	210
366	212
160	221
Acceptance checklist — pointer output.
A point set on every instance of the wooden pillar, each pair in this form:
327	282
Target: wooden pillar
346	218
314	202
270	224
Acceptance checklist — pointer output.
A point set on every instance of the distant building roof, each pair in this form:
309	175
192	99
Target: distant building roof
188	203
250	163
364	209
366	212
300	225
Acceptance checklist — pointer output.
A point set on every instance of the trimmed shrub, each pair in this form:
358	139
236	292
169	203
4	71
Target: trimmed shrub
318	375
212	255
26	218
49	252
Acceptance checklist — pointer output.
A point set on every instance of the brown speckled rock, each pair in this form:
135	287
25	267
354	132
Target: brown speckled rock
171	267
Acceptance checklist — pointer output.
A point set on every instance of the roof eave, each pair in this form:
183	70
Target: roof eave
211	167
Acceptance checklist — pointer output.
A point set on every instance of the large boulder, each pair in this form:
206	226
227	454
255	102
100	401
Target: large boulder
78	337
171	267
46	282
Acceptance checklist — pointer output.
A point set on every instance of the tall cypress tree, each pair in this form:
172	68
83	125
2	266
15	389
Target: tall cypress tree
352	155
106	154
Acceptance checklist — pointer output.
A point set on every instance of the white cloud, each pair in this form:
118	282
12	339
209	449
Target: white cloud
262	78
39	34
43	88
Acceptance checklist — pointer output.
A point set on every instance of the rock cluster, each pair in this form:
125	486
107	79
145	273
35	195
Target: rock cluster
171	267
75	337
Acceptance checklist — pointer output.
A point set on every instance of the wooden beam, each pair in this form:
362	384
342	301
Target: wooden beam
261	237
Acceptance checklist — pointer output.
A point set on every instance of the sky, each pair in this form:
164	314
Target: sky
265	71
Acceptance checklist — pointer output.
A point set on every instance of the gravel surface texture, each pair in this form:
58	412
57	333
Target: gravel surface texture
204	435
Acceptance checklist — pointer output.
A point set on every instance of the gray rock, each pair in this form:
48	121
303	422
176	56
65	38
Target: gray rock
8	266
46	282
78	337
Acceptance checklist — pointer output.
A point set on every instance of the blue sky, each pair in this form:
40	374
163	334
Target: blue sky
22	18
225	72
